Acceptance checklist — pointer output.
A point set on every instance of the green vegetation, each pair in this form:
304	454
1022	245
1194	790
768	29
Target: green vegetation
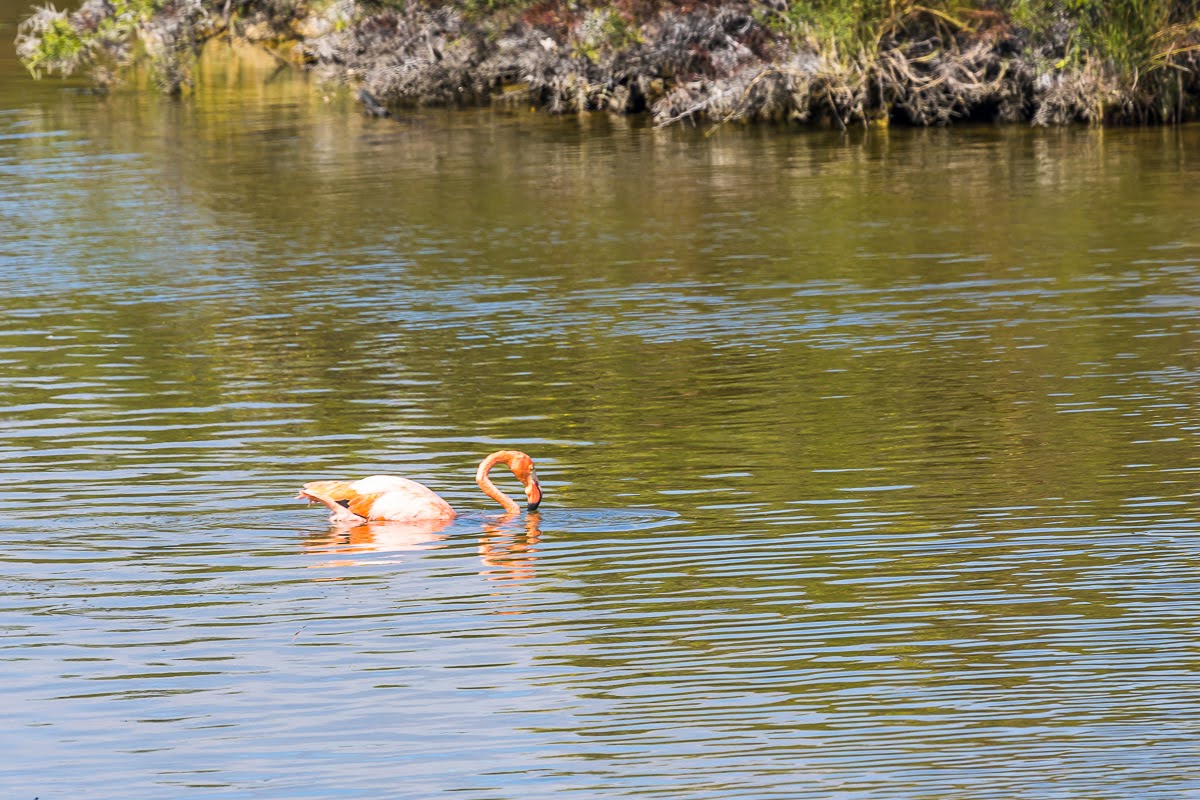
828	62
60	47
105	37
1131	34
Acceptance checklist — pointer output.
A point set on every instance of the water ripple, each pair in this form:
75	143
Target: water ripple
865	492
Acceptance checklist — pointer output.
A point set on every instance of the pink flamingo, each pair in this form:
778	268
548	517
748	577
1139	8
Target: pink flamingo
387	497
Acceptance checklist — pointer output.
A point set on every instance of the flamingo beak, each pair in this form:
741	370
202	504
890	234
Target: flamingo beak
533	492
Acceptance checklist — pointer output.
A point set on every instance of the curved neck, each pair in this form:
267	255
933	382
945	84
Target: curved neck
489	488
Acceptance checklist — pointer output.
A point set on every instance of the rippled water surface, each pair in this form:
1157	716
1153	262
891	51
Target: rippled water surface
869	460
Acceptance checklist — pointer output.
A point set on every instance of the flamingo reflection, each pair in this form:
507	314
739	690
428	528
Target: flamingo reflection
377	537
507	547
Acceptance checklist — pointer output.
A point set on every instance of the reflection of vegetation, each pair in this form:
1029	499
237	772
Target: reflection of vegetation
645	343
828	61
414	291
650	337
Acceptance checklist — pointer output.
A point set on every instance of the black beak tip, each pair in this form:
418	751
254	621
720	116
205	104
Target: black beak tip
533	506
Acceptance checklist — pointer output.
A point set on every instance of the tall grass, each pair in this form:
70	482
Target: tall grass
1131	36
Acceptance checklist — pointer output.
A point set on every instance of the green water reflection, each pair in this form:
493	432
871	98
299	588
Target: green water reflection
869	460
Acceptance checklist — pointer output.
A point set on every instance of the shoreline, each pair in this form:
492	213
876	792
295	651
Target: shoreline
762	61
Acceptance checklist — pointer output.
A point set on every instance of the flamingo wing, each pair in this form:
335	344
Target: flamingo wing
331	490
340	493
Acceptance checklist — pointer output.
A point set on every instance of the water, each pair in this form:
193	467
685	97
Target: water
869	461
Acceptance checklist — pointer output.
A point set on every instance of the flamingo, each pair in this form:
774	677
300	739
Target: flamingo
386	497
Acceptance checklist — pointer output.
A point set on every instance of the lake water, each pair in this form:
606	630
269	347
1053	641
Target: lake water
869	461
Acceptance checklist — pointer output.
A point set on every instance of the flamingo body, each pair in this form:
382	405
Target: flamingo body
380	497
387	497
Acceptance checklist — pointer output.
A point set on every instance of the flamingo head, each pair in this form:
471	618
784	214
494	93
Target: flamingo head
522	467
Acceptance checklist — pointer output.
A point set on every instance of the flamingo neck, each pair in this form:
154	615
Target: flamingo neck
489	488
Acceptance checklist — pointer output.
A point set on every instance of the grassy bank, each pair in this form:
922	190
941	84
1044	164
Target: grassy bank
824	62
